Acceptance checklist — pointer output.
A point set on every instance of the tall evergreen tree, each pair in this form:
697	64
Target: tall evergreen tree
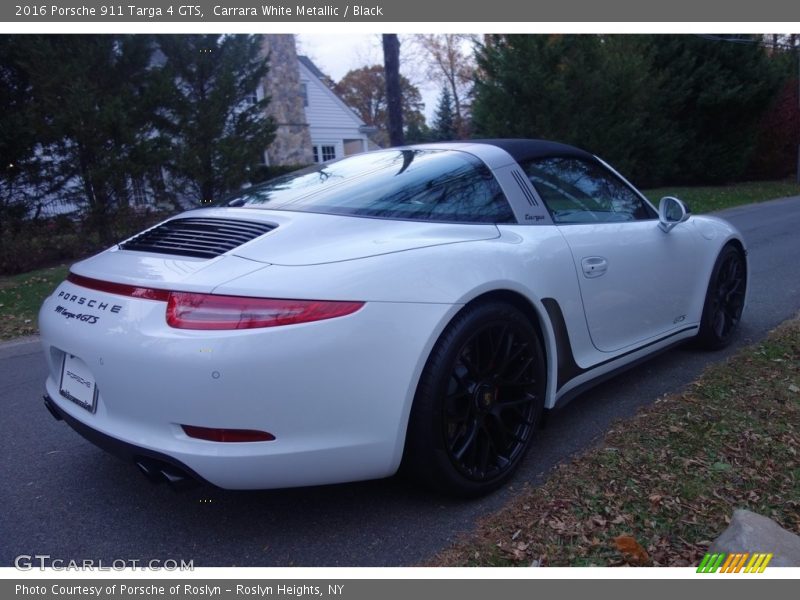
220	128
593	92
444	127
450	62
714	91
17	138
418	132
665	108
94	106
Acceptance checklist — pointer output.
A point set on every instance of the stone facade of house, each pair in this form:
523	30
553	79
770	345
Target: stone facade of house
292	145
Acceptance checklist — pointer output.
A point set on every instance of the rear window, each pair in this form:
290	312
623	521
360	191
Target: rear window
419	185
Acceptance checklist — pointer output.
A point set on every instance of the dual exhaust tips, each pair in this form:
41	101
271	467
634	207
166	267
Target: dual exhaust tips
156	472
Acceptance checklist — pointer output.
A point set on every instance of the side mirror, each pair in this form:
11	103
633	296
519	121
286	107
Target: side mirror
671	211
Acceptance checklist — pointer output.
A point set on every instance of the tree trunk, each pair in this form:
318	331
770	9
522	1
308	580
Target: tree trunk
394	98
458	122
96	197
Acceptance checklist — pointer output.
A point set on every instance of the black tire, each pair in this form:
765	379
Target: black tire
724	302
478	402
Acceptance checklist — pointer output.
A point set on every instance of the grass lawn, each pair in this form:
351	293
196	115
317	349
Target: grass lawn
663	484
703	199
20	299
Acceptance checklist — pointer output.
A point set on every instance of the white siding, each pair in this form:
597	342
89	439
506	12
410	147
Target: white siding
330	121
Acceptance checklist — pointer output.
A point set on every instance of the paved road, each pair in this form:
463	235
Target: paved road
61	496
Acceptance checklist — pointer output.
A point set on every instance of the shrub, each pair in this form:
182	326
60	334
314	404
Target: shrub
37	243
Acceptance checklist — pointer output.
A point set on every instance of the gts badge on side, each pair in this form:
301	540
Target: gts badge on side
679	319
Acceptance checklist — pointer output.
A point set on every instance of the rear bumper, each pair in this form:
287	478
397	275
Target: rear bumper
142	457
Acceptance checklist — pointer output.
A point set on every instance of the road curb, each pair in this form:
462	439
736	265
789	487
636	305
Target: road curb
20	347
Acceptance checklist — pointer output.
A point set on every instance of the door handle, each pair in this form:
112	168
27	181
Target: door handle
594	266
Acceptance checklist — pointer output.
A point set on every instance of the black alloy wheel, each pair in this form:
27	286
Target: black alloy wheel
478	402
724	300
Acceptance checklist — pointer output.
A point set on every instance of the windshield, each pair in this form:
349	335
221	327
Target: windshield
423	185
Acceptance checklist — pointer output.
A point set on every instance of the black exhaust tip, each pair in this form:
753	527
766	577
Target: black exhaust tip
161	472
177	479
48	404
151	470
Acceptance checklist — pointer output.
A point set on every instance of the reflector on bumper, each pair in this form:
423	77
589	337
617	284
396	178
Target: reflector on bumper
212	434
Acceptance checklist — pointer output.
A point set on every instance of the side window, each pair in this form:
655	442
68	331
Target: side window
304	93
580	191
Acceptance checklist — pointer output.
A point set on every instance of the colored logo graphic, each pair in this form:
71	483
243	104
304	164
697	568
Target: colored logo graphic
734	563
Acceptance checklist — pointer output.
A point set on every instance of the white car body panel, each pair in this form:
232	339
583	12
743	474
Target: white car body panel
620	315
337	393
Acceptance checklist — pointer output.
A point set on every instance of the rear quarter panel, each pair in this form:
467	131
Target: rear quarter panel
533	262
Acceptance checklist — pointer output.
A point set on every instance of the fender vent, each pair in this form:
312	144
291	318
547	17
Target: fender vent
201	238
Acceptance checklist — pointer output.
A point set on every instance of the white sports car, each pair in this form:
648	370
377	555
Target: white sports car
419	305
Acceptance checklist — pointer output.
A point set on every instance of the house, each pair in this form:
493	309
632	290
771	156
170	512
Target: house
314	124
336	130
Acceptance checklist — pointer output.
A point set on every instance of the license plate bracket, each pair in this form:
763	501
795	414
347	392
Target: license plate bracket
77	383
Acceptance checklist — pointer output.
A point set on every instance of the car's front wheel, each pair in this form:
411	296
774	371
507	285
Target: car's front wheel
478	402
724	301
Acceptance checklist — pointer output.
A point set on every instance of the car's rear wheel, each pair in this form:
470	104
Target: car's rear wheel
478	402
724	299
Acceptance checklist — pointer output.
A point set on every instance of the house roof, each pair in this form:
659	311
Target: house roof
312	67
324	79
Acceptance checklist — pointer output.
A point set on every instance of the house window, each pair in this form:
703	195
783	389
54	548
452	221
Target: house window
328	153
324	153
304	93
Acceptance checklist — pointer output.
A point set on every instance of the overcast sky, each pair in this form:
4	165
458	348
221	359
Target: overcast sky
336	54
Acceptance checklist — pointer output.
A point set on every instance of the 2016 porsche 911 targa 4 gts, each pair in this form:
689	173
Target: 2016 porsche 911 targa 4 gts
420	305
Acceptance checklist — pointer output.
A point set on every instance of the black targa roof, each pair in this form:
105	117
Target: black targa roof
524	150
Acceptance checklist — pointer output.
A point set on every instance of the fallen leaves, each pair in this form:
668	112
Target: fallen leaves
631	550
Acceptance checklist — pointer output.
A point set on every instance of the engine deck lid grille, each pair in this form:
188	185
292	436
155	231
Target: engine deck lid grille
197	237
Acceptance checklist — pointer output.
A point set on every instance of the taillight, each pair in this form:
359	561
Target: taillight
208	311
188	310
